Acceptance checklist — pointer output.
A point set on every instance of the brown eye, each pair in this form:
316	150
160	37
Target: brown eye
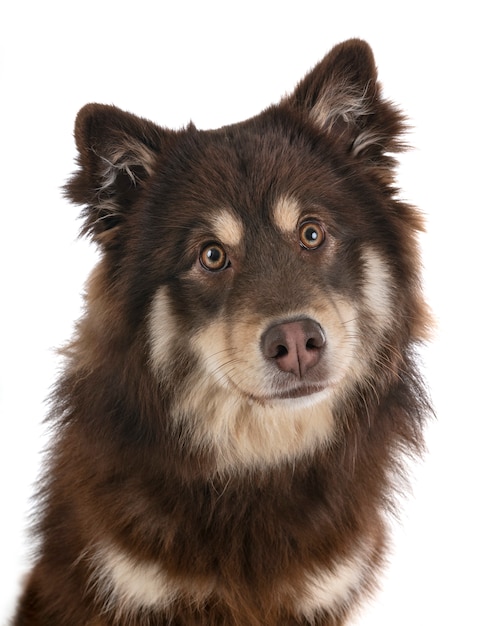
311	235
214	258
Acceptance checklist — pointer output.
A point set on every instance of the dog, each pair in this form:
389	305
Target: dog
240	394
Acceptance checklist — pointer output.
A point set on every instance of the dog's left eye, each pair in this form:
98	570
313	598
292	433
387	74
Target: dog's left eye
214	258
311	235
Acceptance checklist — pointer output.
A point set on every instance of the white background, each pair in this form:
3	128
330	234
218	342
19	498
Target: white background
217	63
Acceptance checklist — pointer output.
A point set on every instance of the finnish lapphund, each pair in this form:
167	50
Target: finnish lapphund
239	396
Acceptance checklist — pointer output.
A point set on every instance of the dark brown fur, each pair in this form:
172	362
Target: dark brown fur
118	468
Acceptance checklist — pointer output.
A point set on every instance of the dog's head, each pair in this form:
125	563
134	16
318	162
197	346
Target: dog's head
262	272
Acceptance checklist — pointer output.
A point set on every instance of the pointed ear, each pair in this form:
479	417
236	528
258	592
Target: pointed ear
342	97
117	152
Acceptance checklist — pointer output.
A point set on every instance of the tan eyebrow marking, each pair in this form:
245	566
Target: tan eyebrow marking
227	227
286	214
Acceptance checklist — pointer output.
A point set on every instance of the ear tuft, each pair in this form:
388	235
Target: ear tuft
117	152
342	97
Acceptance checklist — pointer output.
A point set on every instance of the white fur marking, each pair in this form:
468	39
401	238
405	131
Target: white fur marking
377	290
124	584
335	588
162	331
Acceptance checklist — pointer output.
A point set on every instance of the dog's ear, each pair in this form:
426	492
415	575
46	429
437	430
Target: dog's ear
117	152
342	97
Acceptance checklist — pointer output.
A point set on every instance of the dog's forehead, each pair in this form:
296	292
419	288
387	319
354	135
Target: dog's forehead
251	155
227	226
235	182
257	235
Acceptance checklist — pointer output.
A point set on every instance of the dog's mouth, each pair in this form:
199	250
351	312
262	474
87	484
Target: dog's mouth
305	391
298	392
283	392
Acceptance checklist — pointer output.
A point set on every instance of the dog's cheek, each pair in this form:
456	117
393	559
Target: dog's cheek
377	290
229	351
163	332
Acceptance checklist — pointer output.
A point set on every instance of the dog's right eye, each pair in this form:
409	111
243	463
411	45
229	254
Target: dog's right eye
214	258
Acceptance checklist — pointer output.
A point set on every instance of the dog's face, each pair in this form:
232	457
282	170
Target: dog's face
275	292
255	260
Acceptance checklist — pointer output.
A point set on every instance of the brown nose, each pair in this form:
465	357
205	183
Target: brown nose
295	346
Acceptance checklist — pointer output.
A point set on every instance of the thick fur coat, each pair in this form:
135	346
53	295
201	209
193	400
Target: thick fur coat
240	393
